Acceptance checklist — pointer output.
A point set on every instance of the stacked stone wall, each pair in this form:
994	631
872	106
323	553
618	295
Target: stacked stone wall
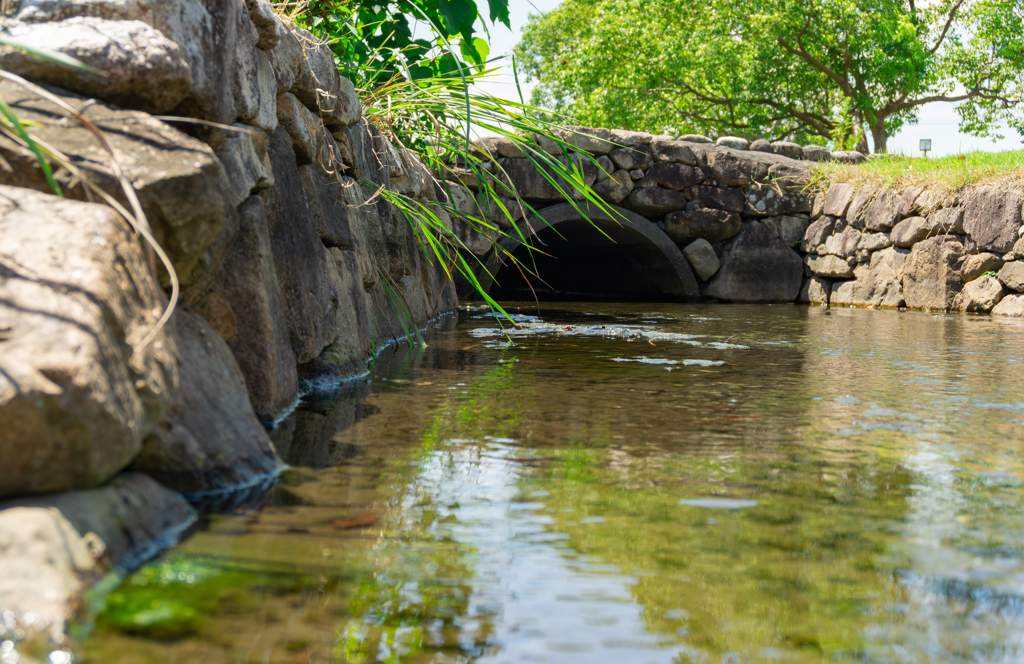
753	230
291	267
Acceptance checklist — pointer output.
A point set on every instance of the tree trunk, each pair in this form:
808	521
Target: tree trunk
880	137
858	130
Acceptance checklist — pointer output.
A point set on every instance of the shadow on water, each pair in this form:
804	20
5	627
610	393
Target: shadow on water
607	483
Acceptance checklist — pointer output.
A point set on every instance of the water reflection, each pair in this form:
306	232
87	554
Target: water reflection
683	483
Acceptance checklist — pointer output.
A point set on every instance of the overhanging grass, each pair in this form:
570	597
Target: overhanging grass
951	174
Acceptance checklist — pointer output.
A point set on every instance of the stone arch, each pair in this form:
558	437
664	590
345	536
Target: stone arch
625	256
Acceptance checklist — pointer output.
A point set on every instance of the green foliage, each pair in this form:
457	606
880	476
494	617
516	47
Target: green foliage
845	134
945	174
779	69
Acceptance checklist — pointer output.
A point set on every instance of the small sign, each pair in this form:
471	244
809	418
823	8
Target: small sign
926	144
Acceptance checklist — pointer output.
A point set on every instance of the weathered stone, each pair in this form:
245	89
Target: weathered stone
655	202
261	13
831	267
695	138
317	82
616	187
788	229
931	275
415	180
787	149
255	85
362	145
856	214
637	174
242	154
892	257
843	243
910	231
729	169
326	205
761	145
993	217
874	241
41	11
815	291
948	221
530	183
631	158
596	141
734	142
849	157
1010	305
77	393
674	151
818	232
976	265
712	225
719	198
210	439
243	303
300	260
630	139
178	180
816	153
908	201
605	168
313	144
818	206
769	201
757	267
1012	275
876	287
145	70
53	548
979	296
675	176
837	199
882	212
504	215
701	256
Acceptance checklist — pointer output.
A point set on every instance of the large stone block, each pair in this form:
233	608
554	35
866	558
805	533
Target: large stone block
243	303
992	218
210	440
702	258
77	393
1012	275
883	212
837	199
631	158
712	225
856	214
674	151
757	267
979	296
178	180
675	176
844	242
300	259
788	229
815	291
874	287
243	155
719	198
818	232
830	267
931	274
1010	305
653	202
976	265
54	548
615	187
144	69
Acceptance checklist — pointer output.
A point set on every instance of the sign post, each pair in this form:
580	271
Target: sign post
926	145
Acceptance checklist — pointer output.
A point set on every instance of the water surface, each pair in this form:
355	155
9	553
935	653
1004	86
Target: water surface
626	483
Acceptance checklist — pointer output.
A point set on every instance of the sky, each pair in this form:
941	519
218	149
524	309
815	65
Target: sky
938	121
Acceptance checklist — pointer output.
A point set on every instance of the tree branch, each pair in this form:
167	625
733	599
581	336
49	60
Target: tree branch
949	23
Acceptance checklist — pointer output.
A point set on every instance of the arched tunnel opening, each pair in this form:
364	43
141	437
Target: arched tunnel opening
600	259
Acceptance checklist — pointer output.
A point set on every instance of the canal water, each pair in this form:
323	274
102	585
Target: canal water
610	483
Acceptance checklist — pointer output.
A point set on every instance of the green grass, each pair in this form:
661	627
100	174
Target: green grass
950	174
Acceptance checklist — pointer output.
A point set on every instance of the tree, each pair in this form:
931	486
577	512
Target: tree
780	69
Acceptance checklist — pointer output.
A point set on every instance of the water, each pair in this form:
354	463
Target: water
613	484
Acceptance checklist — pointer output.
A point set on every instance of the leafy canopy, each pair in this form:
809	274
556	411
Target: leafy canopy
780	69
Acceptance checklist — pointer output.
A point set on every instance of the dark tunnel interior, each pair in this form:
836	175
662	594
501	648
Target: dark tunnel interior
574	261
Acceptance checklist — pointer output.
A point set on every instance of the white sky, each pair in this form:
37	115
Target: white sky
938	121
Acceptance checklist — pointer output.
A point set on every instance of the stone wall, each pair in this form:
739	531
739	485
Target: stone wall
753	231
290	267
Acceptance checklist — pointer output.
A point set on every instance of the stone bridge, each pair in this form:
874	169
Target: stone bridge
689	219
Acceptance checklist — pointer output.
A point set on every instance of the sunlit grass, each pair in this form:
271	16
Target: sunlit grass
949	174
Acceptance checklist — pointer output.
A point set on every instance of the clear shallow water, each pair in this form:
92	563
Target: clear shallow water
613	484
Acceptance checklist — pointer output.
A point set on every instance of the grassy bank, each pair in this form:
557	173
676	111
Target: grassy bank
950	174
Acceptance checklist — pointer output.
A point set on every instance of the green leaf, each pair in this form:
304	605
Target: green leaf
458	16
19	129
476	50
499	12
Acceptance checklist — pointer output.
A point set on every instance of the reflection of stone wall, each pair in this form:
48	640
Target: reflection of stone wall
291	269
751	234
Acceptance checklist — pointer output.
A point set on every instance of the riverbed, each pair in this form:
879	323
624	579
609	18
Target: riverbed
624	483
